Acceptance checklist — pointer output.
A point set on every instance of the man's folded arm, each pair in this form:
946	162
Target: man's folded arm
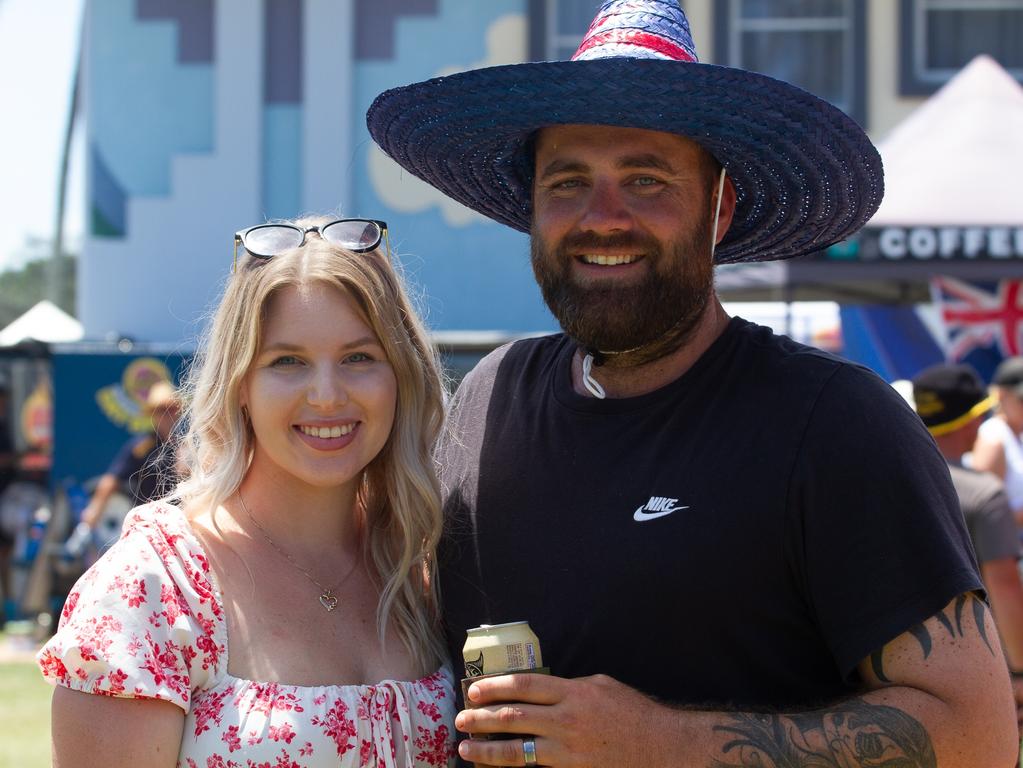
938	694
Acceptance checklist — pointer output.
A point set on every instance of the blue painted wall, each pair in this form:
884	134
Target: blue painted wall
475	273
150	96
206	116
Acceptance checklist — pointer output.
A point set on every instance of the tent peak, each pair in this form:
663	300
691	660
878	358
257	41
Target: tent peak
956	159
984	68
44	321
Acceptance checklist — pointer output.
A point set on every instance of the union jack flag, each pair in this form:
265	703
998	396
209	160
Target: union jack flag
983	321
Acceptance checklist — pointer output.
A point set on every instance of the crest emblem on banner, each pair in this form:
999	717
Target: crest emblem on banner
124	403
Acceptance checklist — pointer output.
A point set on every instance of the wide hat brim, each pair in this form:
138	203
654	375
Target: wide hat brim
805	174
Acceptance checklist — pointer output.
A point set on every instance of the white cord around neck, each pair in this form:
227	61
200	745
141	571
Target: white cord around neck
717	213
591	384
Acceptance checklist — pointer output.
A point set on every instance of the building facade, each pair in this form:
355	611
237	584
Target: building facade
204	117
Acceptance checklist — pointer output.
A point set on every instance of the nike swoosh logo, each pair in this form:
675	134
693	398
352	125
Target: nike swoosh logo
640	516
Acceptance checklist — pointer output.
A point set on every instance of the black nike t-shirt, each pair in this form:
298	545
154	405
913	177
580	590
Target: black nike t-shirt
744	536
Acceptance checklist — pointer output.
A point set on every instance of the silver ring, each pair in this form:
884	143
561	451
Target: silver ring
529	752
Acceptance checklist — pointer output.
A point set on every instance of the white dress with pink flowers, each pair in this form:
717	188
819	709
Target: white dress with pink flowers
147	621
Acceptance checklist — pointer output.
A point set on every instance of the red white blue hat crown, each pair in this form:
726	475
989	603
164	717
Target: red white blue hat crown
642	30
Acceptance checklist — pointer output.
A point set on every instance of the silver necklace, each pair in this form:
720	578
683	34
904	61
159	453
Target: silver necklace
328	598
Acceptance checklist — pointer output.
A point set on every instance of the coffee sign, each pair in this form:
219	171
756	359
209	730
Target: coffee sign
924	244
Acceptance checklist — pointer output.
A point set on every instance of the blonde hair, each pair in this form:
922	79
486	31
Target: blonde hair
399	497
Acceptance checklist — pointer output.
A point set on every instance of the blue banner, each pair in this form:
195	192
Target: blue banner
98	405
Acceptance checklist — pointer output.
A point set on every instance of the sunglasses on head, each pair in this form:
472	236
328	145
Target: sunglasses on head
264	241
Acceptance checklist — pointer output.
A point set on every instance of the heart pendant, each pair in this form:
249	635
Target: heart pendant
328	601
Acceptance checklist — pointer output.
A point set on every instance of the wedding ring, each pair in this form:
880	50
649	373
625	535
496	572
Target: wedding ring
529	752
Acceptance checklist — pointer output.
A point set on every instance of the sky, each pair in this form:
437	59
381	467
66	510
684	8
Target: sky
38	44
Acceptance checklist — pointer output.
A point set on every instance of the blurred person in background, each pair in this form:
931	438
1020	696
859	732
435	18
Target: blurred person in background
998	448
8	455
9	526
952	401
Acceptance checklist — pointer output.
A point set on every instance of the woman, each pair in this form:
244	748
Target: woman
999	449
282	611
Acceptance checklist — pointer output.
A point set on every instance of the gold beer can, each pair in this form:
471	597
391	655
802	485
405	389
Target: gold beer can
497	648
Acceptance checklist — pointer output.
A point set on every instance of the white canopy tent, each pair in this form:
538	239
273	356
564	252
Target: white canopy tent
958	158
953	204
44	322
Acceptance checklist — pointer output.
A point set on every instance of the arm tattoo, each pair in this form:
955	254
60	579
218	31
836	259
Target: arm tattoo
854	734
956	629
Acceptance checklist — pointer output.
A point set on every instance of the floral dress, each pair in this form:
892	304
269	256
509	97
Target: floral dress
147	621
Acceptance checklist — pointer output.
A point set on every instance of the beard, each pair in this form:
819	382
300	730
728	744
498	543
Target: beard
647	319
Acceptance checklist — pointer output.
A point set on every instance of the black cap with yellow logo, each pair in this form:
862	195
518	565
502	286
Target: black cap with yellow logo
948	397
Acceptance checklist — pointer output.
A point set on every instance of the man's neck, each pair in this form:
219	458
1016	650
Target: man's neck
952	446
623	380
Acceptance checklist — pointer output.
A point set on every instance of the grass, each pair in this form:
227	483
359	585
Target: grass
25	714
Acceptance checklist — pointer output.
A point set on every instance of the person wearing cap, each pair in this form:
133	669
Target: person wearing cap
734	549
144	468
952	401
999	449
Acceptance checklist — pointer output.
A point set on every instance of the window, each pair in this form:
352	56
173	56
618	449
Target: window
817	45
939	37
557	27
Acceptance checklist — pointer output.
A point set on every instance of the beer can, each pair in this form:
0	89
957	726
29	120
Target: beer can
496	648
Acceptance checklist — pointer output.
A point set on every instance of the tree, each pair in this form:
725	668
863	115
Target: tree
21	289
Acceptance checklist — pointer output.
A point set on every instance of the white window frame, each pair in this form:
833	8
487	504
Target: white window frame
852	69
920	79
554	39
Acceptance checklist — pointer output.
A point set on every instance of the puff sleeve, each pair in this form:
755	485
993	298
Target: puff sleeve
145	621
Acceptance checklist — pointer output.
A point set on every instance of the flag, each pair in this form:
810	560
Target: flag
983	321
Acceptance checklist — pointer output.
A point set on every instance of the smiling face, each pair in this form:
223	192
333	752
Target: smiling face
621	240
320	393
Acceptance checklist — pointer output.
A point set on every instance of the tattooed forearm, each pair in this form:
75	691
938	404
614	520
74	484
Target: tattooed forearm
854	733
953	625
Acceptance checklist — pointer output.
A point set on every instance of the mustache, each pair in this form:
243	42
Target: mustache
583	241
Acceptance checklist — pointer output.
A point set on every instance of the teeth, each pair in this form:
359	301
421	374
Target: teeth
609	261
327	432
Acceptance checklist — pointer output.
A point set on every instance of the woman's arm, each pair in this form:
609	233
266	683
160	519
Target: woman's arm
92	731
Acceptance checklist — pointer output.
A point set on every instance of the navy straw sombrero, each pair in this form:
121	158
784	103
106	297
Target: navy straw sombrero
805	174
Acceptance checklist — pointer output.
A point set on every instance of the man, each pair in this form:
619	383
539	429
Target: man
144	469
952	402
734	549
